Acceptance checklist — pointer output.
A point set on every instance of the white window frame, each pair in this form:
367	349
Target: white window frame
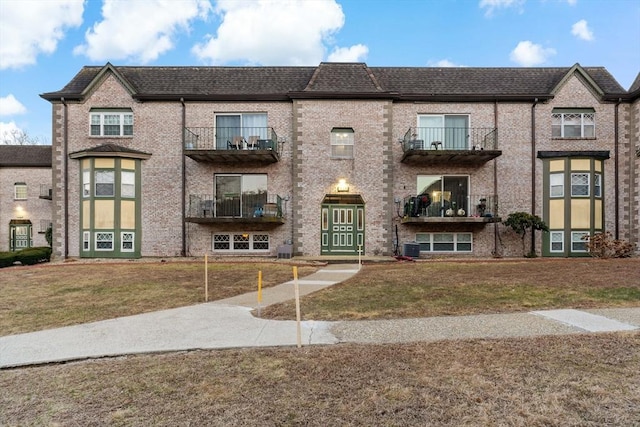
342	142
576	238
123	241
597	185
20	191
561	120
103	173
86	183
99	119
104	237
457	241
127	184
575	186
234	241
86	241
559	235
556	182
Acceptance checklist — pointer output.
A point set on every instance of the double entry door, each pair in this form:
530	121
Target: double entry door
342	229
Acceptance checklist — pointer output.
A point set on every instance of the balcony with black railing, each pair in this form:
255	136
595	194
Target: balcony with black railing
449	145
232	144
239	208
442	208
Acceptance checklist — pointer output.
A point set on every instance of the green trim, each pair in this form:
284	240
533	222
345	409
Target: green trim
572	110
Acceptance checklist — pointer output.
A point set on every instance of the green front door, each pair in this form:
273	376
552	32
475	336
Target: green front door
20	236
342	229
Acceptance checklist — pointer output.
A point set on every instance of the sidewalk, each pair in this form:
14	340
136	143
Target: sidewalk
229	324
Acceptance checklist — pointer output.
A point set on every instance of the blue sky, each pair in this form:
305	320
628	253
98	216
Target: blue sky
44	43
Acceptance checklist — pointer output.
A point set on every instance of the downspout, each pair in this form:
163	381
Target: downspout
184	182
533	170
65	150
495	180
616	171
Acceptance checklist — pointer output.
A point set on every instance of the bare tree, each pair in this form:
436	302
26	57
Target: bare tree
19	137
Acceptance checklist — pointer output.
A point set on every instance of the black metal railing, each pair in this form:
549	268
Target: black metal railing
230	138
241	206
450	138
439	205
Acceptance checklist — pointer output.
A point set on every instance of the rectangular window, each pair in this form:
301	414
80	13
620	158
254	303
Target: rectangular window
105	183
578	241
86	240
126	239
444	242
240	195
20	191
573	123
241	242
556	183
579	184
557	241
128	184
342	140
104	241
445	195
597	185
86	183
111	123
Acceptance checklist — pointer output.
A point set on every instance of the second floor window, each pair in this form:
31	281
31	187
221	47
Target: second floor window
573	123
342	143
111	123
20	191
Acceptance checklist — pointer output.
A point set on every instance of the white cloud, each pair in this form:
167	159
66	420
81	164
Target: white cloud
356	53
139	30
529	54
10	106
276	32
443	63
492	5
29	28
582	31
10	133
572	2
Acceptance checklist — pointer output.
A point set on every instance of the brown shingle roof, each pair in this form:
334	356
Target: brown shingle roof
14	156
335	80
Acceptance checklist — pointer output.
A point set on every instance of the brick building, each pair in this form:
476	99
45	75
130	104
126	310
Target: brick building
25	196
341	158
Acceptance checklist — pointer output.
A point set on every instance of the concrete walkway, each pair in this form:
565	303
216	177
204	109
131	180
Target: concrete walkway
229	324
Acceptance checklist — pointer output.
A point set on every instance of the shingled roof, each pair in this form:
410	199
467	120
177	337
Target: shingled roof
335	80
14	156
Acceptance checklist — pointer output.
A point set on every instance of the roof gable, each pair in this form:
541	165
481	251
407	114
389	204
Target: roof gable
578	70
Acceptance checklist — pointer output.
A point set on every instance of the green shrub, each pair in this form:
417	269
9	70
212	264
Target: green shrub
7	259
31	256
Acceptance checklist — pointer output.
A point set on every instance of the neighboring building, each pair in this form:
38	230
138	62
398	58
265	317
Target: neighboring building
340	158
25	196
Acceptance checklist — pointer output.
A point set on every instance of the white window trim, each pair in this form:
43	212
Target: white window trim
122	241
588	174
551	242
455	242
552	185
102	114
561	115
251	242
86	241
20	185
579	240
342	138
100	241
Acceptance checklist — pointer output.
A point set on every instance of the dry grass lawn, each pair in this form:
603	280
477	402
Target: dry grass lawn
585	380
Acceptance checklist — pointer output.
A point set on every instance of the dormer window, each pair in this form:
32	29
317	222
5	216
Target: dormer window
111	122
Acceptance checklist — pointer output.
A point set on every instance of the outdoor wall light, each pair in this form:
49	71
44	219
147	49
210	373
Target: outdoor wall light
342	187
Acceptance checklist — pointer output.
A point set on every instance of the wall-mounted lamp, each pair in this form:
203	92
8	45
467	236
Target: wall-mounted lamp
342	186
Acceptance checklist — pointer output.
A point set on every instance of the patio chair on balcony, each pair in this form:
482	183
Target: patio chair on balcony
207	208
252	144
238	143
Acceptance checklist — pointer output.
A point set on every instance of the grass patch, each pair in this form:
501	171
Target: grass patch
585	380
427	289
53	295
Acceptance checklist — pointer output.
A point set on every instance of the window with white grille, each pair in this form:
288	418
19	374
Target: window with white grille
573	123
240	242
111	123
104	241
